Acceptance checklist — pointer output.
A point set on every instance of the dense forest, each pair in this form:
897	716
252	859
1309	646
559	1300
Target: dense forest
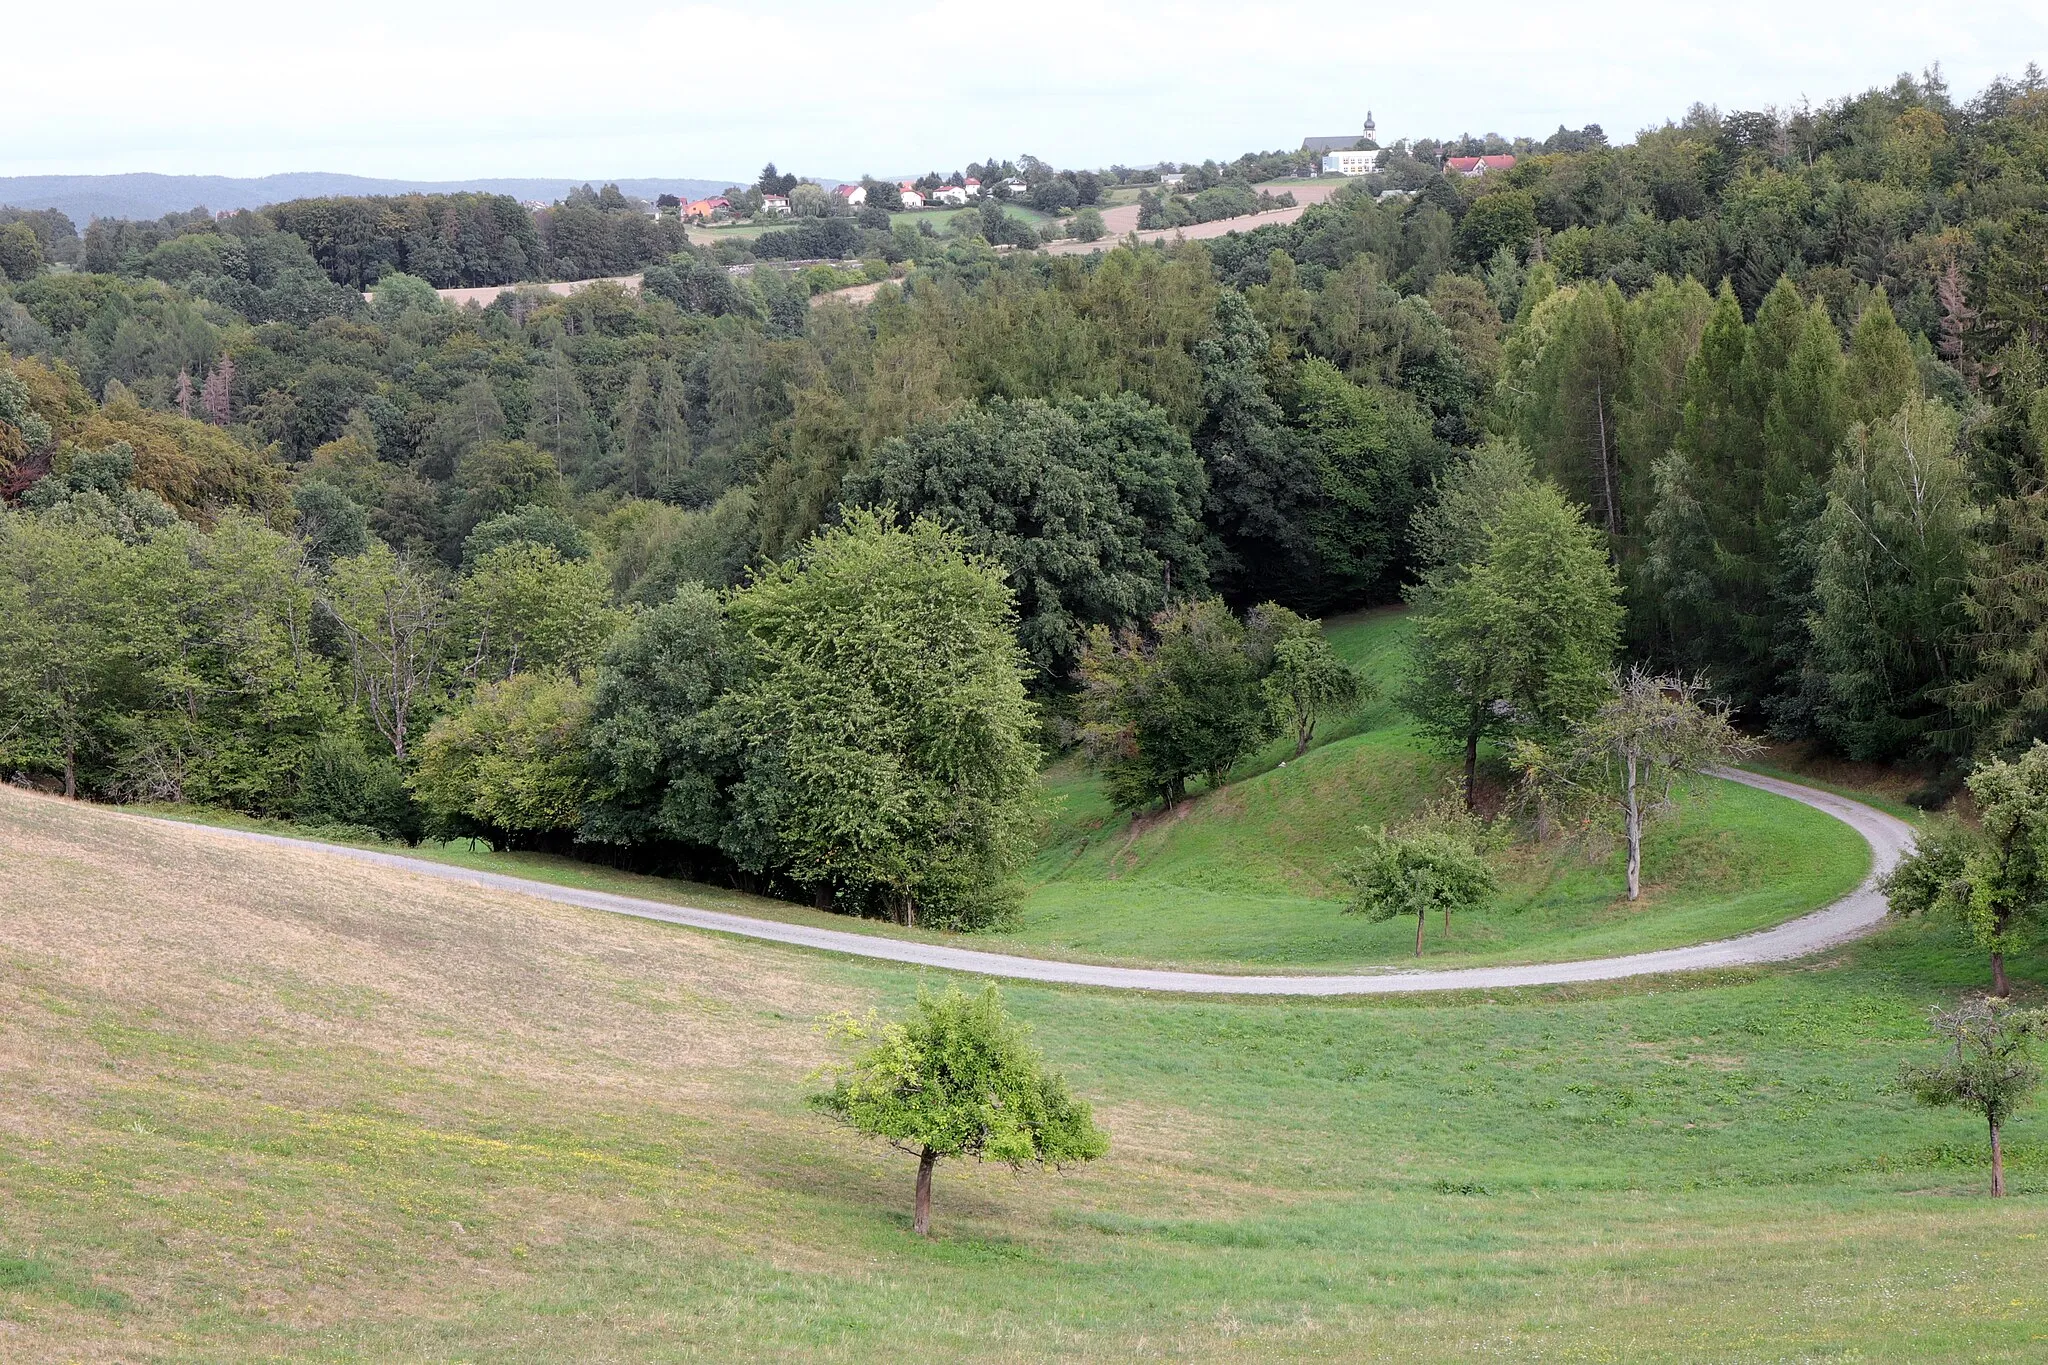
567	567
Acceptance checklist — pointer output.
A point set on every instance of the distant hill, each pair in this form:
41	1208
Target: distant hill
145	195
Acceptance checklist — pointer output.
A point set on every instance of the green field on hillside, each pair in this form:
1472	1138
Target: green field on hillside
1252	873
266	1106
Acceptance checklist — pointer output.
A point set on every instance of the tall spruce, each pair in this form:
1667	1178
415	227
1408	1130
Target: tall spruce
1896	545
1882	375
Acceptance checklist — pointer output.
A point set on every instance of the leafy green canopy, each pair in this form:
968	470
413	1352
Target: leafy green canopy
1518	642
886	738
509	765
1188	698
1439	863
1989	1068
1994	877
959	1077
1092	506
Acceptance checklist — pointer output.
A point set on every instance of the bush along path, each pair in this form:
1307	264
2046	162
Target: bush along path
1852	916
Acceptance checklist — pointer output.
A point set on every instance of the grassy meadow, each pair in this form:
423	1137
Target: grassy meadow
266	1106
1252	873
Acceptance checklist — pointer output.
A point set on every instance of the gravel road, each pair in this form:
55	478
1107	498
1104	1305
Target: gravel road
1850	917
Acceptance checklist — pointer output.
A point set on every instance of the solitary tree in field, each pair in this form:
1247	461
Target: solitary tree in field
1437	863
1628	758
959	1078
1995	878
1988	1068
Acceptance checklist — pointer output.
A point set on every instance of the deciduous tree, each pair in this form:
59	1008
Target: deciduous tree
1989	1068
1628	759
1519	642
959	1077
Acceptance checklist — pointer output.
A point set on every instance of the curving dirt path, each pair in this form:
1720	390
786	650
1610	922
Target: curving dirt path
1854	915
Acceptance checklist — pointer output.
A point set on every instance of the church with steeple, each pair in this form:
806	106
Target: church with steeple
1347	153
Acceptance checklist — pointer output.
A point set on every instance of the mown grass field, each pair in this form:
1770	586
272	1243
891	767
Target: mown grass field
262	1105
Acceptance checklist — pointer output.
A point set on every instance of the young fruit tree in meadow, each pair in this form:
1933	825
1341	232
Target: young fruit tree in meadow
1988	1068
959	1077
1629	759
1436	863
1994	878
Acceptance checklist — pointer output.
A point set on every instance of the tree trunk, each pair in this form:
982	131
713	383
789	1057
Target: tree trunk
71	768
1302	735
1421	917
1635	835
922	1223
1471	770
2000	987
1997	1165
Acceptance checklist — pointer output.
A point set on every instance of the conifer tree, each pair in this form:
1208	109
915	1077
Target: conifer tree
1895	548
1881	374
2005	694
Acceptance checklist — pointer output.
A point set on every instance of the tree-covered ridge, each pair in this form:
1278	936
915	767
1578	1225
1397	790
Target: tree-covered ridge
1800	454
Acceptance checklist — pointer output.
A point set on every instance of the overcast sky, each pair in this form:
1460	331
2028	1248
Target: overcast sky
643	88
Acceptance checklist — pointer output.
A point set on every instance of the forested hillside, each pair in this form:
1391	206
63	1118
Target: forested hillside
266	536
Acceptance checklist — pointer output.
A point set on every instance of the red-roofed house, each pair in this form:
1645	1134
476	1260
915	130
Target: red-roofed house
1476	165
704	208
854	195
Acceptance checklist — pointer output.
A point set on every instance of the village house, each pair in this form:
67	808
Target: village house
973	188
775	203
949	194
911	198
1470	166
853	196
707	208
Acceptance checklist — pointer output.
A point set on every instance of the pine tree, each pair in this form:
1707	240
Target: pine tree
1665	322
1570	416
654	443
560	420
1703	555
216	395
1881	374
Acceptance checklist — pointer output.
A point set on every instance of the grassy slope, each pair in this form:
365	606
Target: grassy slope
1252	873
261	1106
